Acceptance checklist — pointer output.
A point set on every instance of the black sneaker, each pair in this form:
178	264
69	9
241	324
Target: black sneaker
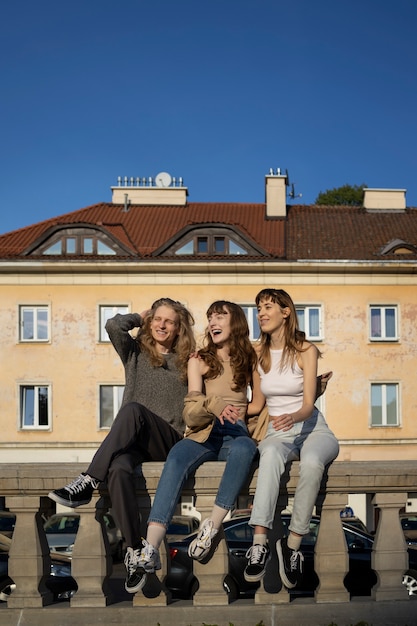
290	564
139	563
76	493
258	557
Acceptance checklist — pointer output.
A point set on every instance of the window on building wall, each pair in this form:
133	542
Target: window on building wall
34	323
34	407
319	403
106	312
384	404
383	323
251	315
110	402
310	321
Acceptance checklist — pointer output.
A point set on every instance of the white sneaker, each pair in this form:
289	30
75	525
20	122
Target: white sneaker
201	545
149	558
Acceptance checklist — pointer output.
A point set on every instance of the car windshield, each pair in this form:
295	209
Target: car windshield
62	524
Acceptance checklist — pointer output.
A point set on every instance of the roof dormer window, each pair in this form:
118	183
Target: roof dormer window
77	241
211	242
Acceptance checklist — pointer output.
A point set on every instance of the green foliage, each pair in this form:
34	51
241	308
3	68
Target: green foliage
350	195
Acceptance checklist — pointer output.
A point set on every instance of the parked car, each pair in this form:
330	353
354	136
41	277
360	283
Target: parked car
7	522
409	526
359	580
60	582
61	530
182	526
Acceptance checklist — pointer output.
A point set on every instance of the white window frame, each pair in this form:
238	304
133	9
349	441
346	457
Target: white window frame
105	312
36	414
307	308
384	405
251	313
383	308
35	310
117	397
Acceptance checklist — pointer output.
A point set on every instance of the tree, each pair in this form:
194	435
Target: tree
351	195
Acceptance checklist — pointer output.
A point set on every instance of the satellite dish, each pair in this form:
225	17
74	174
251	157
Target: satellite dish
163	179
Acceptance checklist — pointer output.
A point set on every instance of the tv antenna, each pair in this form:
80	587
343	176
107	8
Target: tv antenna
292	193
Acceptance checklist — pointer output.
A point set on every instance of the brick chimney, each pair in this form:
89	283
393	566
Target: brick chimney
276	194
163	189
384	199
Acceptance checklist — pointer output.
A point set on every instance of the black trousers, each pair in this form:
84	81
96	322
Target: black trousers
136	435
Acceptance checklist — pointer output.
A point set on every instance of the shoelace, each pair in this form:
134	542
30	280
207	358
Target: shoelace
205	535
147	551
80	483
256	553
131	560
294	559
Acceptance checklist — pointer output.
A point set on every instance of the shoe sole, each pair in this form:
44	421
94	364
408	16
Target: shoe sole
137	587
256	577
284	579
73	505
199	557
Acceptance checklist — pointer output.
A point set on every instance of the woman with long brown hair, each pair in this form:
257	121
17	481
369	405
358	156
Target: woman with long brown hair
296	430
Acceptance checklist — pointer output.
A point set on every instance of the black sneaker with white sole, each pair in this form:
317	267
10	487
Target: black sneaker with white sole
136	576
290	564
77	492
258	556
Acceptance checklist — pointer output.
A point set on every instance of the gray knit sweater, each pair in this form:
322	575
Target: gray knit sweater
160	389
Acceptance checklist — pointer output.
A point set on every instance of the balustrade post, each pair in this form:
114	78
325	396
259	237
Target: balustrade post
271	589
211	574
154	593
29	559
331	559
389	556
91	559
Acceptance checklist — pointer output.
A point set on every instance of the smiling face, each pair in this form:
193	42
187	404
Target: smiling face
219	326
271	316
165	328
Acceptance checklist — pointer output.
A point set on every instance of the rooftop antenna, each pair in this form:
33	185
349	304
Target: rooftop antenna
292	193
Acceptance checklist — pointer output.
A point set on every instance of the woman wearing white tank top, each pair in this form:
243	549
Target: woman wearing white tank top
287	365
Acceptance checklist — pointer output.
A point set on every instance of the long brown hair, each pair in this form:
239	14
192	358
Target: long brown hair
184	343
242	354
293	336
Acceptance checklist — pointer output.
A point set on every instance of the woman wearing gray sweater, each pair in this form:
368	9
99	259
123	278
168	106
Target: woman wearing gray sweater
150	421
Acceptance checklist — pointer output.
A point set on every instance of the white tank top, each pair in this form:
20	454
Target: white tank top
282	388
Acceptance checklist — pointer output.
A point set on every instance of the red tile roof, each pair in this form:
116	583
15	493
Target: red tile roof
352	233
144	229
308	232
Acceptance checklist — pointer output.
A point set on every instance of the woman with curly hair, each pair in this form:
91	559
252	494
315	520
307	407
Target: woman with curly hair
149	422
214	412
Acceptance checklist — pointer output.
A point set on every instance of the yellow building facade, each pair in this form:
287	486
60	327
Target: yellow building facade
61	382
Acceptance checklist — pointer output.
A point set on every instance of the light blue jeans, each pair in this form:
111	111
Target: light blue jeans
230	443
315	446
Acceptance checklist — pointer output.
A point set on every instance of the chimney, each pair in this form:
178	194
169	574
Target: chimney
163	189
384	199
276	193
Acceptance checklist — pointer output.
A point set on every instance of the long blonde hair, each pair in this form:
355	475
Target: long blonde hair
294	338
184	343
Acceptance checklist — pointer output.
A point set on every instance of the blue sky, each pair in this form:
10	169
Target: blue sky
216	92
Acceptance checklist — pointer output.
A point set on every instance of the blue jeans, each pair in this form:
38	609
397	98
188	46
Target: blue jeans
229	443
315	446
